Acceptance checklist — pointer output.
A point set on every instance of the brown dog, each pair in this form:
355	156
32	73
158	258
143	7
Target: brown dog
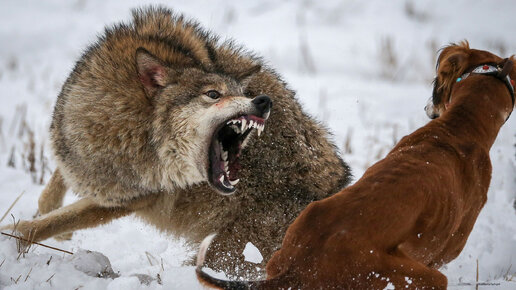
412	211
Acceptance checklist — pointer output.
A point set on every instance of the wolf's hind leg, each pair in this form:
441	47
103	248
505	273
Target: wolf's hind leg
52	198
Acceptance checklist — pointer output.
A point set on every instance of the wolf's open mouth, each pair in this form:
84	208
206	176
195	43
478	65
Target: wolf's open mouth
225	149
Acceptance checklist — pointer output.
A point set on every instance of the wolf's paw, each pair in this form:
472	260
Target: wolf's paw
24	233
64	236
9	229
5	230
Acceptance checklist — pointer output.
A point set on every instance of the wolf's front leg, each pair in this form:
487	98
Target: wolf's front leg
52	198
82	214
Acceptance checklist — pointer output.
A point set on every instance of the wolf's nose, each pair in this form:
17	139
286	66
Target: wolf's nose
263	103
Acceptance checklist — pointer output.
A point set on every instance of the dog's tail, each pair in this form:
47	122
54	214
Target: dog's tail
213	282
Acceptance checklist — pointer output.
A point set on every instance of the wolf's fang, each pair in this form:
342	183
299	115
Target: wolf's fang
244	123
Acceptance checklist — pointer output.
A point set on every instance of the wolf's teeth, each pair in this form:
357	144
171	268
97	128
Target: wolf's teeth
244	123
251	124
224	155
226	166
234	182
259	131
221	179
236	129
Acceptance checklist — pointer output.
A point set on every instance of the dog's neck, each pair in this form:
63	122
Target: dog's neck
479	108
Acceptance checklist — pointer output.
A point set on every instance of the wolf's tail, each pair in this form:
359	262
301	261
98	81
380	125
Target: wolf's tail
213	282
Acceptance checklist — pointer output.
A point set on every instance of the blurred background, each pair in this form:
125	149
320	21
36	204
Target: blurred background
364	68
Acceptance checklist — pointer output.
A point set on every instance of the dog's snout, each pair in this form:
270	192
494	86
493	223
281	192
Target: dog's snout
263	103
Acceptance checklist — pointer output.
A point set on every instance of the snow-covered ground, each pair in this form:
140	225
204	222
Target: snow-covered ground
363	67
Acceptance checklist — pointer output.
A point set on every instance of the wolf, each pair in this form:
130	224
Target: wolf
162	119
411	212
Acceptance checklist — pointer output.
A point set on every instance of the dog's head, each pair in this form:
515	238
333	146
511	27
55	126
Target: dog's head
453	61
202	120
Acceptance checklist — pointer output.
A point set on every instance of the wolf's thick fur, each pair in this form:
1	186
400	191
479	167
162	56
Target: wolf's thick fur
127	136
411	212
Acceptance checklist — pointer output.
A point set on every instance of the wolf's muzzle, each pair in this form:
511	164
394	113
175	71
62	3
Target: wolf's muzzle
263	104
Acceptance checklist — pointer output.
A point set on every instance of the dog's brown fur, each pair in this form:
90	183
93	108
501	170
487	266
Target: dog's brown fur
412	211
120	140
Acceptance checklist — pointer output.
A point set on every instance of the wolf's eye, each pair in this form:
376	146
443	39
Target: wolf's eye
213	94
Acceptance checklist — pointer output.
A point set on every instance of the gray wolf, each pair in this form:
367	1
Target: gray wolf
161	119
413	211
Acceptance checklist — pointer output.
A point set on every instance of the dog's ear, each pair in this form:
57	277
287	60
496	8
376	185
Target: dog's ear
512	74
152	72
452	62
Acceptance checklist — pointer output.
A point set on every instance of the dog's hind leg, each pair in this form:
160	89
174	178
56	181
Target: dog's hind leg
52	198
82	214
406	273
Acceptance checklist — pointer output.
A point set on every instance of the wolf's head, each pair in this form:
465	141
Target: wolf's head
202	121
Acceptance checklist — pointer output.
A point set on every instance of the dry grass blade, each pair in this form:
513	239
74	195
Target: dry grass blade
16	280
476	287
48	280
12	158
508	270
28	274
24	248
2	263
11	207
36	243
149	256
347	142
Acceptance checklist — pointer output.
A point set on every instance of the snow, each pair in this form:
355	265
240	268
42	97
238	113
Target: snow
92	263
252	254
362	67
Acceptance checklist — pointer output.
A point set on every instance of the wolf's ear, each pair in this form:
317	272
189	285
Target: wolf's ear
153	74
244	76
